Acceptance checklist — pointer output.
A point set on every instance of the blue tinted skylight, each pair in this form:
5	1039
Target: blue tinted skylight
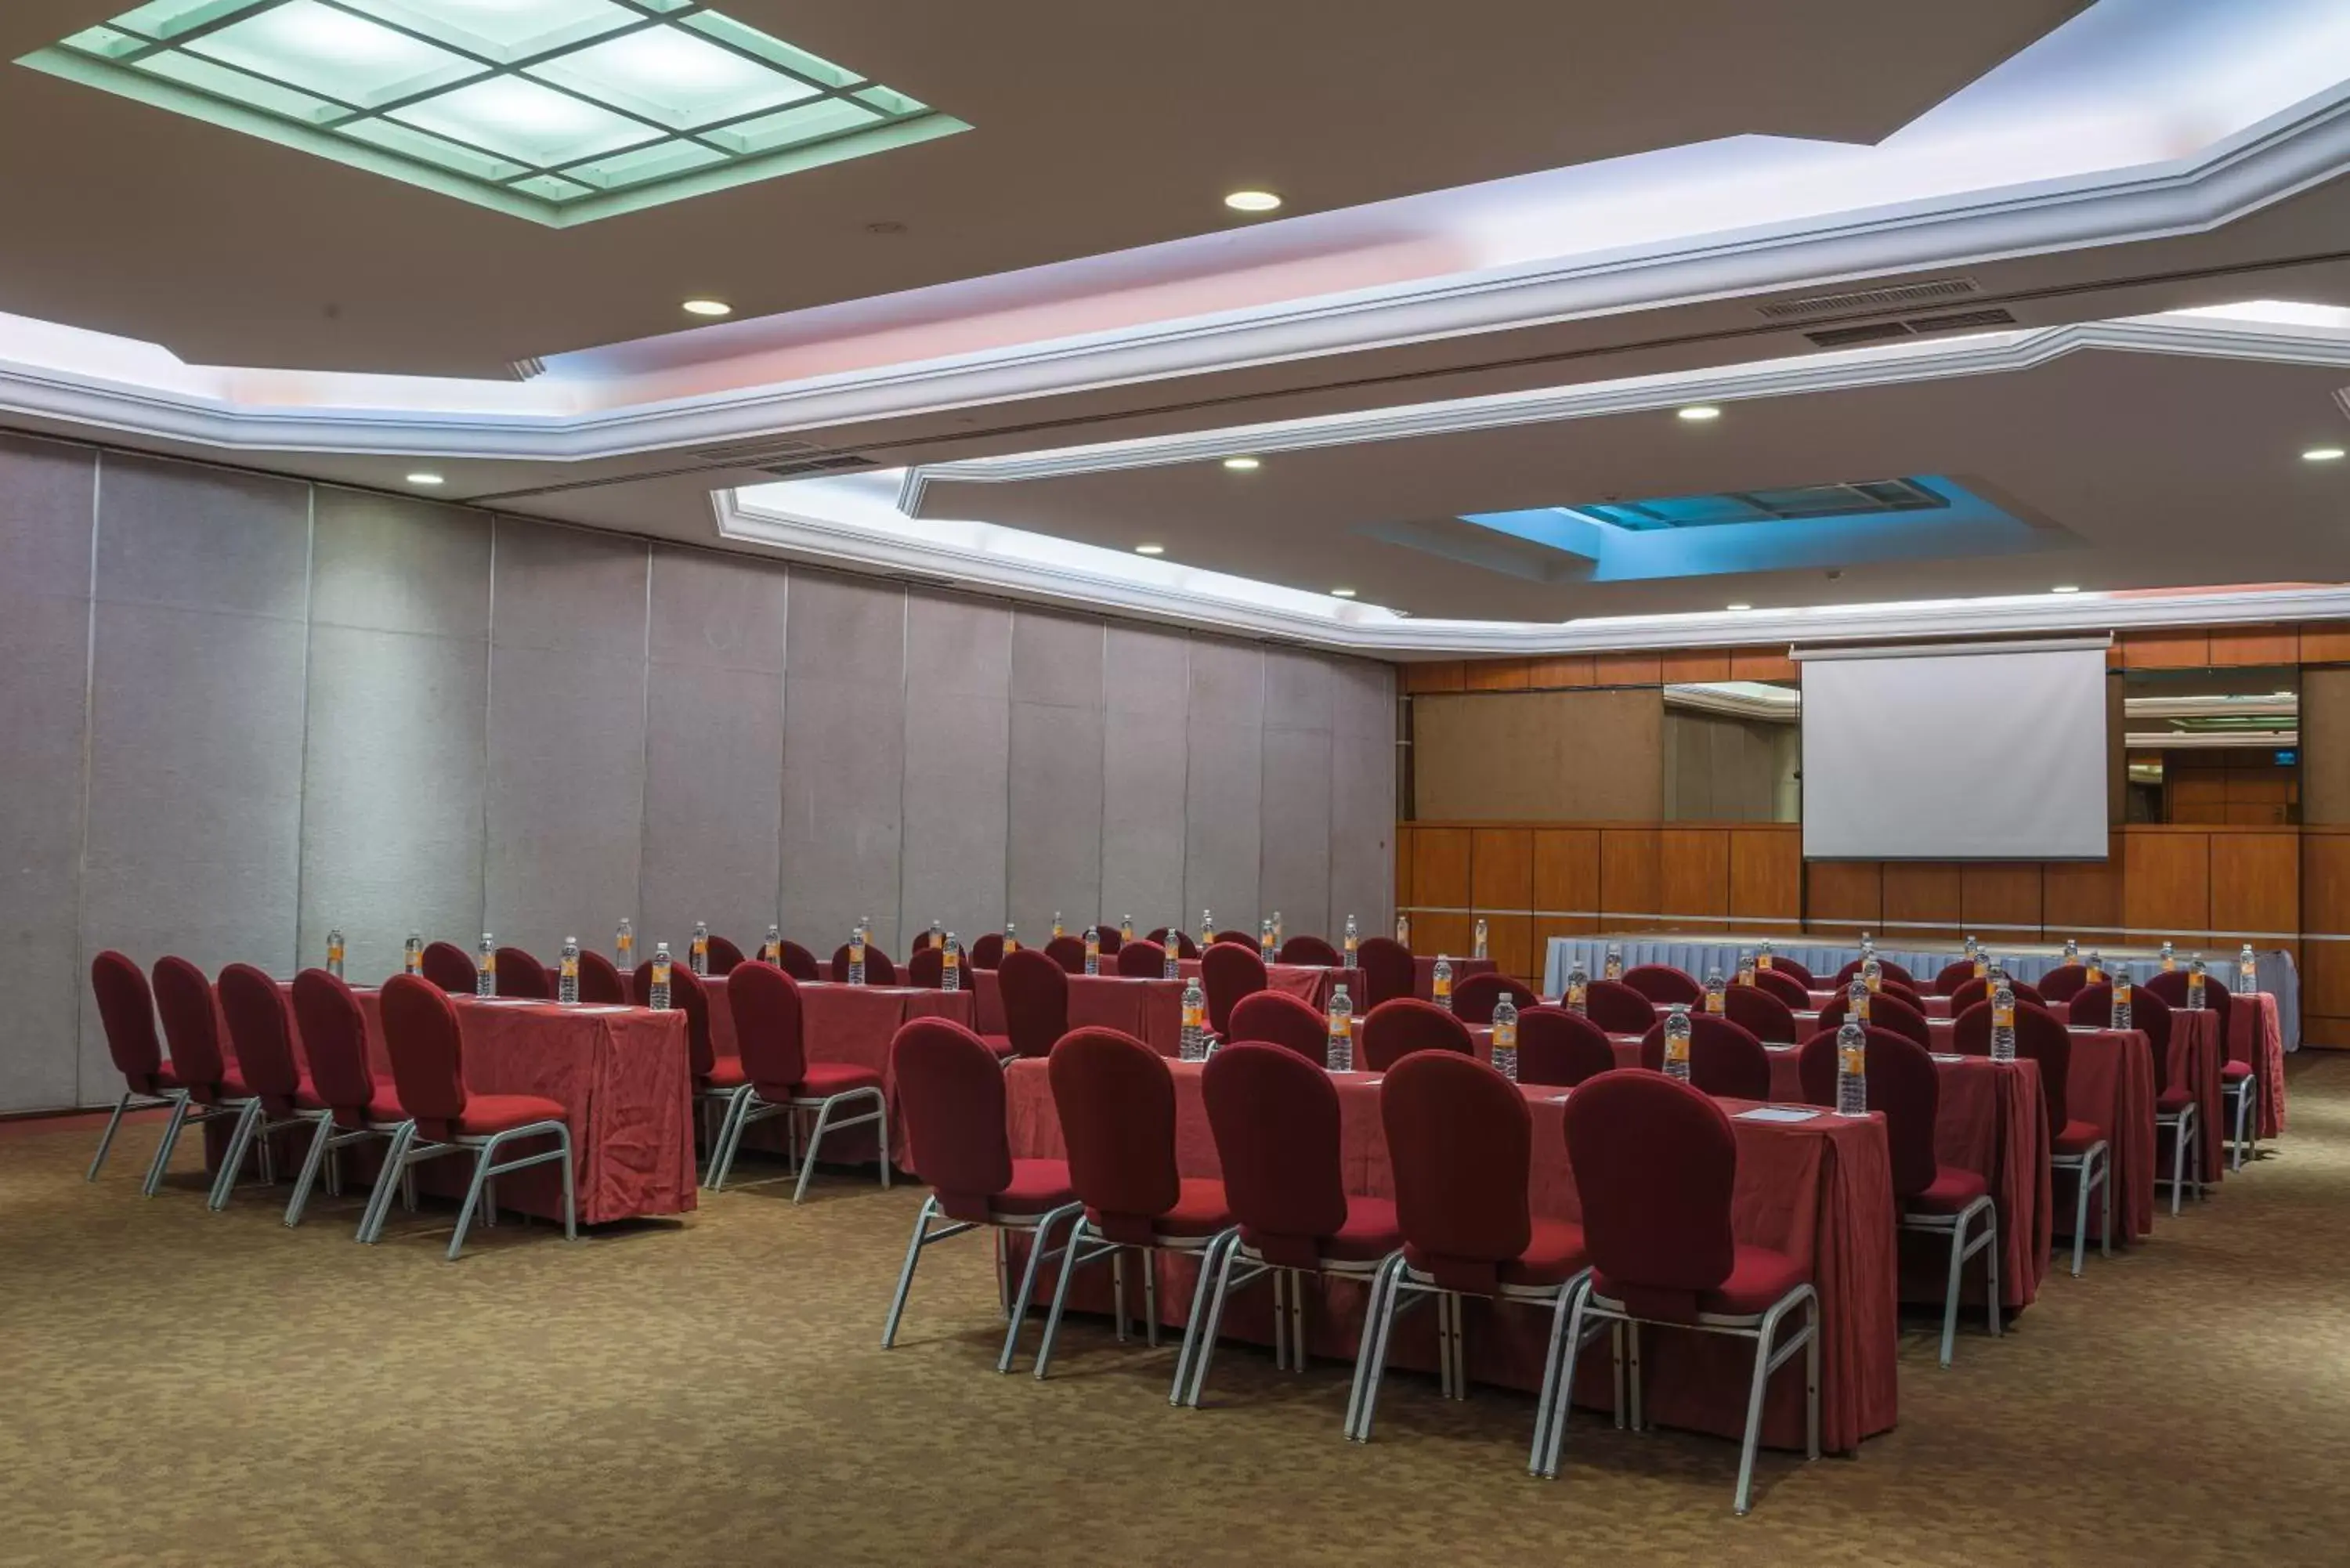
1866	498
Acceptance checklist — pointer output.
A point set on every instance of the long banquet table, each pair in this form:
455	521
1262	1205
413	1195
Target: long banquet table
1820	1189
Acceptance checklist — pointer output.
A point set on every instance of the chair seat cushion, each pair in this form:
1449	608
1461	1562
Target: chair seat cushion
384	1106
1954	1187
823	1080
1555	1256
162	1078
229	1087
487	1114
1037	1187
1369	1233
2173	1100
1201	1211
2076	1137
725	1072
1758	1278
999	1043
2232	1072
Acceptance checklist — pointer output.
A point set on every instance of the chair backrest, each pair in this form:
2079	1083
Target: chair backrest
987	951
921	940
2041	1035
798	962
183	998
1111	940
421	1036
1908	993
1310	950
879	970
127	1009
1903	1082
1785	987
1760	1014
1116	1097
1724	1059
1142	960
519	975
1274	1114
2093	1007
1618	1009
927	967
599	979
2061	983
1277	1018
1069	952
1556	1046
1394	1030
1460	1142
1886	969
334	1039
450	967
724	955
1952	976
1245	938
1473	999
765	1002
1886	1011
257	1030
1229	971
1655	1164
1035	996
2170	984
1976	991
689	995
1387	971
1799	974
950	1089
1663	985
1184	946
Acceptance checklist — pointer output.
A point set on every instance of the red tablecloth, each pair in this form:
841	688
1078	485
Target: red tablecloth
2255	1035
1149	1009
1820	1190
620	1073
1309	983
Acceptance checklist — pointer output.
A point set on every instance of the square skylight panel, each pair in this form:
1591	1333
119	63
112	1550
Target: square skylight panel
558	111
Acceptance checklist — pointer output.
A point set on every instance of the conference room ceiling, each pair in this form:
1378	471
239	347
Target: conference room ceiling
1096	130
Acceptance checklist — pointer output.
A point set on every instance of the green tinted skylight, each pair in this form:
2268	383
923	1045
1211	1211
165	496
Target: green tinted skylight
557	110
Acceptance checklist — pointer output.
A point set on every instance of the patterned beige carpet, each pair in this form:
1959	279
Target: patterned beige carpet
180	1387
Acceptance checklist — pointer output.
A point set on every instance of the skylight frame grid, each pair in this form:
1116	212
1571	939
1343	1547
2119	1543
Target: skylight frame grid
1747	508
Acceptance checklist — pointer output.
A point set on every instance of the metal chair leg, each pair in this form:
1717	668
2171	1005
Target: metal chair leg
106	1139
1073	1259
481	1158
905	1274
1150	1297
163	1159
1377	1351
388	1181
1038	1248
1372	1312
2105	1226
1199	1327
248	1116
322	1136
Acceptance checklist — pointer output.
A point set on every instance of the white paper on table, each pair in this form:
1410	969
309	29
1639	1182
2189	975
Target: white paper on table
1778	1113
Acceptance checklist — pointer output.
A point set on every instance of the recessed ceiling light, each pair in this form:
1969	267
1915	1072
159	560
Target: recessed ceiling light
1698	413
1253	200
427	480
1150	549
1242	464
2322	454
1342	593
1742	607
2065	589
708	307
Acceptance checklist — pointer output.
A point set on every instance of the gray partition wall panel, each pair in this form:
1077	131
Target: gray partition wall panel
1362	794
844	759
1054	845
46	492
1147	684
1294	862
958	762
1224	782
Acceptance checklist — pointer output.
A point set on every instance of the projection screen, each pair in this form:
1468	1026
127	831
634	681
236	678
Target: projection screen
1981	751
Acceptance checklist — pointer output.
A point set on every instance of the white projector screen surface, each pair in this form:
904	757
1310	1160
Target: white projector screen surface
1965	756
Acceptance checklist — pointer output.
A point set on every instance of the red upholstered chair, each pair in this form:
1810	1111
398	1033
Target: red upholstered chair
2174	1104
1394	1030
421	1036
951	1092
1724	1059
262	1033
521	975
600	983
1387	971
1243	938
1782	965
1116	1097
1461	1139
2074	1146
361	1108
879	970
1952	976
987	951
922	941
725	956
1473	999
1656	1163
211	1087
720	1083
1663	985
1229	971
1795	992
1937	1199
1276	1018
125	1008
1908	993
1069	952
1310	950
1886	1011
765	1002
2063	982
800	964
1886	969
1274	1114
927	969
1142	960
1556	1046
450	967
1976	991
2091	1007
1035	996
1766	1017
1184	946
1112	938
1618	1009
2240	1087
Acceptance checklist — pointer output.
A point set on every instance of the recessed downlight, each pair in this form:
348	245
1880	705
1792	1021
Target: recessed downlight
1243	464
1150	549
1253	202
2065	589
426	481
1698	413
2322	454
710	307
1342	593
1740	607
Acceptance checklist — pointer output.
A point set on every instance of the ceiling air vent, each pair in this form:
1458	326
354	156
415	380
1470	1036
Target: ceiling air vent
1869	301
1959	321
835	462
528	369
756	453
1916	327
1846	336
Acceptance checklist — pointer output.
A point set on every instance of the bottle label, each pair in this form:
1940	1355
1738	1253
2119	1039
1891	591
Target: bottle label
1761	961
1577	997
1443	987
1192	1012
1715	1002
660	971
2002	1015
1677	1047
1855	1061
1859	1011
1011	943
570	967
856	953
701	947
1505	1037
489	963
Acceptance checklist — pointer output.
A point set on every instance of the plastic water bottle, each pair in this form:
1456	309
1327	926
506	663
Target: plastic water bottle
1264	948
1856	1000
857	953
1278	935
697	957
1676	1041
1852	1070
1477	940
1125	929
1973	948
1059	931
335	951
2003	1022
1194	1045
658	997
1612	967
1093	950
486	967
951	965
936	936
2071	950
2169	958
1173	968
1505	1038
1872	974
1980	959
1746	966
2122	997
1339	1053
1011	938
2097	966
1440	984
566	984
1578	990
772	950
1867	943
412	954
2195	982
1207	928
624	947
2248	972
1717	997
1761	956
1403	928
1354	941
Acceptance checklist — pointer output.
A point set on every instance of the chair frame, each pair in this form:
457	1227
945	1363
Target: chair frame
1963	1247
2244	1094
1038	1228
1240	1265
131	1100
2184	1144
254	1119
408	1150
1077	1257
2092	1170
749	1106
185	1109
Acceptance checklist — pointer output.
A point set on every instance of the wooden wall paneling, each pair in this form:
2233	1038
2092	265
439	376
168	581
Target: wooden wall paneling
1843	898
1628	879
1441	933
1501	870
1762	664
1566	877
1693	877
1441	675
1999	901
1627	668
1691	664
1439	867
2325	642
2326	933
2083	897
1404	835
1567	670
1510	943
1766	874
2255	886
1493	675
2238	646
2188	648
1923	901
2166	881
